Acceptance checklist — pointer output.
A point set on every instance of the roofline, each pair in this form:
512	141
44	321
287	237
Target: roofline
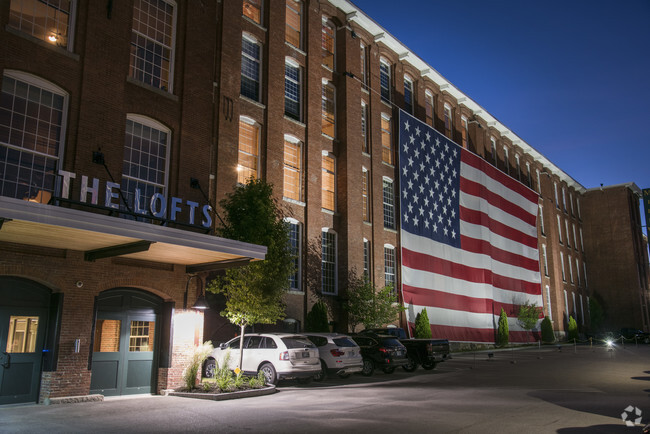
356	15
631	185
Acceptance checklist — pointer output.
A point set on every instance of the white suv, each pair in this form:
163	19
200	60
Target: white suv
278	355
339	354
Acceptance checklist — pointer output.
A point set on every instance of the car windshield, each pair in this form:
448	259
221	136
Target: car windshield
297	342
391	342
344	342
318	340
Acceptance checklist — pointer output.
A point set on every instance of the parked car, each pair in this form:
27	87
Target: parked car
380	352
424	352
278	356
338	353
637	335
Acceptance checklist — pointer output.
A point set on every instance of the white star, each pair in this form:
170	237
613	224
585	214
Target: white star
453	213
445	231
430	215
453	173
431	193
416	175
426	201
426	179
421	188
422	145
411	139
417	131
410	161
437	141
410	206
440	197
446	147
446	168
435	227
405	194
446	189
449	222
421	211
415	221
449	181
428	136
453	193
421	167
426	224
405	171
406	218
416	153
406	148
453	233
449	201
437	164
440	218
406	125
437	185
455	152
435	206
410	184
415	198
426	157
444	209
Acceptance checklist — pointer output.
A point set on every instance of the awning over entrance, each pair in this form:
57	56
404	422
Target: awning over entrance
100	236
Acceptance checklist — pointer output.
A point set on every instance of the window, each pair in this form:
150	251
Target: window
559	229
295	247
384	79
541	220
292	168
386	140
248	159
48	20
141	336
408	94
566	227
539	183
328	126
389	268
364	66
292	87
327	44
549	311
21	338
329	184
32	130
566	305
506	160
329	261
584	271
293	23
152	42
582	242
582	311
575	239
464	130
428	107
366	259
564	198
518	167
544	257
365	142
389	204
562	265
578	270
571	202
528	177
578	205
250	68
570	269
573	294
146	155
448	120
365	194
494	150
252	9
557	201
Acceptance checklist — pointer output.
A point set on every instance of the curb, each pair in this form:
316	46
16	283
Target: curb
227	395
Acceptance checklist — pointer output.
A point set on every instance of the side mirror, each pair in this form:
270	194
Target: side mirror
222	346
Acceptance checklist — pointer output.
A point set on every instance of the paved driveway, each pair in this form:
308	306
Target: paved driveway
524	391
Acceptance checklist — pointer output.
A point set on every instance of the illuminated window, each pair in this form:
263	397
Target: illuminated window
252	9
386	140
384	79
389	204
292	90
428	107
295	247
146	153
23	331
32	130
365	140
328	106
328	262
329	182
107	336
250	68
448	120
142	335
292	168
366	258
248	159
389	268
464	132
293	23
152	42
48	20
365	193
408	94
327	44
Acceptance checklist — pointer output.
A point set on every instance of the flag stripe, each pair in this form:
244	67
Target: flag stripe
486	335
483	247
480	218
482	233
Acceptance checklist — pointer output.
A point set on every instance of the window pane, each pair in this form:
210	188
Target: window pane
107	336
389	205
386	141
22	334
328	272
250	70
142	334
328	196
253	10
292	92
248	151
293	19
384	81
47	20
327	44
292	170
328	111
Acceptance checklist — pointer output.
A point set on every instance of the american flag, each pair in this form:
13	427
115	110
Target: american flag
468	236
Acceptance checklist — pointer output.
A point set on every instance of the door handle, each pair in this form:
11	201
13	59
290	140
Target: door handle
6	364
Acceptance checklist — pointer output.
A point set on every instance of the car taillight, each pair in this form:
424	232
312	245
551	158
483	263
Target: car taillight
284	355
383	350
336	352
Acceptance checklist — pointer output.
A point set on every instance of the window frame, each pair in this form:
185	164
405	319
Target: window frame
240	168
385	77
387	154
256	5
365	136
296	170
288	64
388	190
448	120
328	38
325	172
258	62
390	271
289	8
365	195
429	108
409	96
328	117
297	275
326	265
51	39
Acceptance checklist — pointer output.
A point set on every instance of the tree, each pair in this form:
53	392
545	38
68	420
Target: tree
316	320
572	328
369	306
503	331
254	292
422	326
547	331
528	316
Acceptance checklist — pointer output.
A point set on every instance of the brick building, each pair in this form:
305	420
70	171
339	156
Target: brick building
121	122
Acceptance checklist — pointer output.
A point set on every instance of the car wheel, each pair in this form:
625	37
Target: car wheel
410	366
208	368
269	373
368	367
323	372
343	375
429	365
389	370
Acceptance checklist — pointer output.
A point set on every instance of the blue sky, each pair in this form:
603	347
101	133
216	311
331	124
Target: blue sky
571	77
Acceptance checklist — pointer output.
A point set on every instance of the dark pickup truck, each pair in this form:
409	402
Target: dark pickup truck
424	352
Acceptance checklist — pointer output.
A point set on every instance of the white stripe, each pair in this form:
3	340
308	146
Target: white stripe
479	232
478	203
429	247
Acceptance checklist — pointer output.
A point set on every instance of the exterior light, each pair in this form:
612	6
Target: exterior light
52	38
200	303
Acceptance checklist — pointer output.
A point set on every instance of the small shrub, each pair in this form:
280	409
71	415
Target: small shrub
503	331
239	381
191	372
422	326
257	382
225	383
547	331
573	329
316	320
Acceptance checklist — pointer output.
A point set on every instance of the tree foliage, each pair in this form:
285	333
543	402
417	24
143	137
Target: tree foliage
254	292
422	326
503	331
528	316
316	320
547	331
572	329
369	306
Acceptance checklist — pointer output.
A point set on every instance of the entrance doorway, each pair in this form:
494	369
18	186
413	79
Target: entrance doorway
125	344
23	326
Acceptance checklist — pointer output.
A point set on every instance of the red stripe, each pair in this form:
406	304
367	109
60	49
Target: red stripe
483	247
475	189
424	262
466	334
446	300
495	226
478	163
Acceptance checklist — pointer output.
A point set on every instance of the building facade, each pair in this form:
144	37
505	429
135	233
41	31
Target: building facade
126	122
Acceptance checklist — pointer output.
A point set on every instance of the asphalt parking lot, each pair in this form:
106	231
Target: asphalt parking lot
575	390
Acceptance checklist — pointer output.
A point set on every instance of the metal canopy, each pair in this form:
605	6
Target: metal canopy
100	236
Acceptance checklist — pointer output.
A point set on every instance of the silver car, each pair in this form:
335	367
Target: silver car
339	354
278	356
